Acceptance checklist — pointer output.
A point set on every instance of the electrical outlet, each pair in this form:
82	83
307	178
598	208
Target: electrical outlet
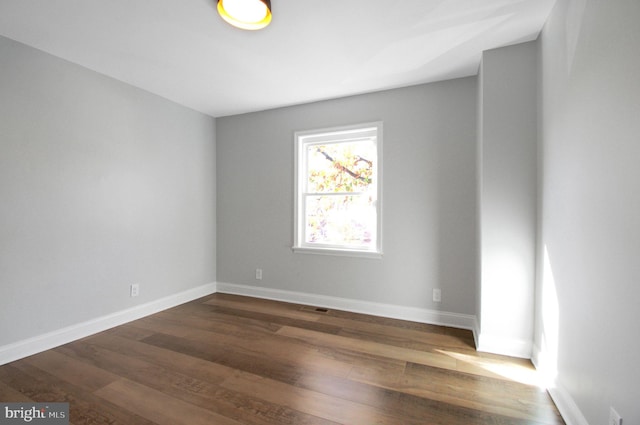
135	289
258	274
437	295
614	417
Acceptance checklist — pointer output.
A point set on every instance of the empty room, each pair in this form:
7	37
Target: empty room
331	213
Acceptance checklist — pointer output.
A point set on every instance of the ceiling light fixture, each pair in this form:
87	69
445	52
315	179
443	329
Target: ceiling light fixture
246	14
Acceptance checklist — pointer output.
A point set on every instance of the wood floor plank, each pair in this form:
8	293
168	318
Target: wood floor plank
395	323
314	403
258	306
84	406
251	345
130	331
228	359
12	395
400	338
403	406
375	364
182	363
299	322
159	407
508	369
250	303
216	353
393	352
65	368
206	318
505	398
190	388
408	338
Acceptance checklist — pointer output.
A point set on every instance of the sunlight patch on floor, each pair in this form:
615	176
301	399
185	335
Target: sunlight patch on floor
527	375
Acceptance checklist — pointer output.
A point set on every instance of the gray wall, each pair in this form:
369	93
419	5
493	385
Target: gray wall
429	199
590	206
101	185
507	198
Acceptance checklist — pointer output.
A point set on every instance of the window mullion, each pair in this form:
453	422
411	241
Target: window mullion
334	193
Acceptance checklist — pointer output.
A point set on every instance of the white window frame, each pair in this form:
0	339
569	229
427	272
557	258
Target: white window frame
371	130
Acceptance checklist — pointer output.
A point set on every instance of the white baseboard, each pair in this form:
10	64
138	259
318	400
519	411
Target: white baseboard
414	314
37	344
536	356
504	346
566	405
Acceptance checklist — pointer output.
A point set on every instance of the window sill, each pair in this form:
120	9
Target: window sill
338	252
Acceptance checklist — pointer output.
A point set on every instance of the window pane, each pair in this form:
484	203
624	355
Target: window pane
338	195
340	167
341	220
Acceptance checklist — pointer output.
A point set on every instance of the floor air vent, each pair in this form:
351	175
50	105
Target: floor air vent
313	309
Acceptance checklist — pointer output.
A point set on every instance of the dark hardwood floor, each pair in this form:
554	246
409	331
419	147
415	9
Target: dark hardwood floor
226	359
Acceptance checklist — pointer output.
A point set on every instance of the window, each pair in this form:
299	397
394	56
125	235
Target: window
338	190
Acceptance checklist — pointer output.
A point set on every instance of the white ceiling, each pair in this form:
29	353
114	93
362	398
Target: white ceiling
313	49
